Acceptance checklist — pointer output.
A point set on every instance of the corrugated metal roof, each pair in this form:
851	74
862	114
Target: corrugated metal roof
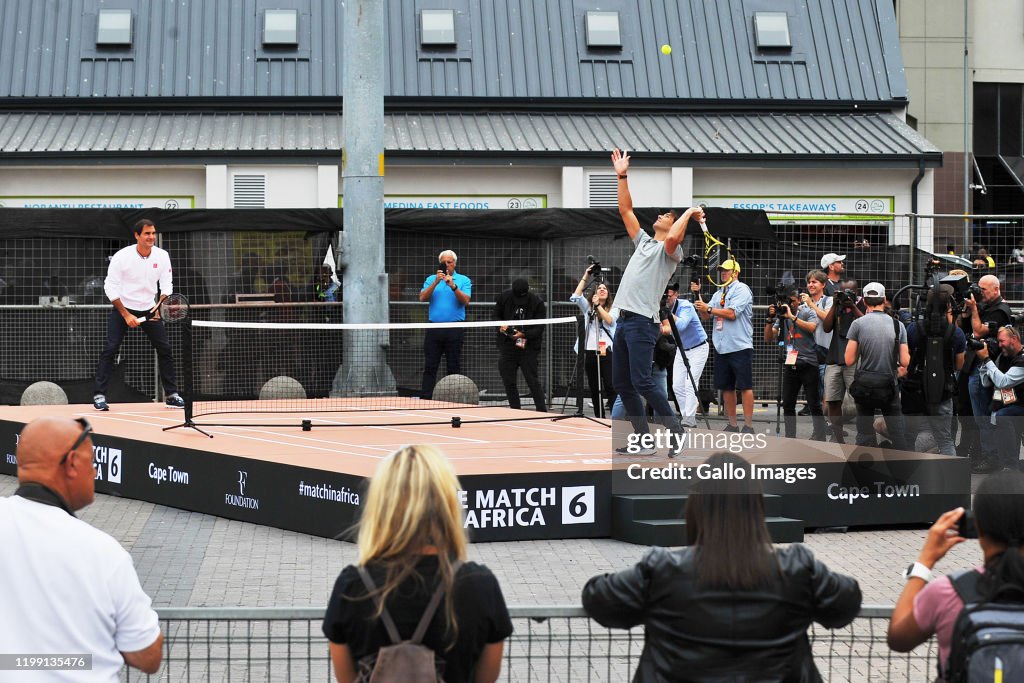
822	138
843	51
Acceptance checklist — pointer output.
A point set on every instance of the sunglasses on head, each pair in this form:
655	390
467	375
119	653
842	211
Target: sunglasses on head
86	431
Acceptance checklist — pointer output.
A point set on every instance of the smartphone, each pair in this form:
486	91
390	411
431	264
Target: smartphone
966	526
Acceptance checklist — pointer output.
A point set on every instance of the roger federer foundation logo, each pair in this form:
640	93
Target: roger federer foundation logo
12	459
108	464
241	500
526	507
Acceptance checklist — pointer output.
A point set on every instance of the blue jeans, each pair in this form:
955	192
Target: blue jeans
619	411
980	398
635	337
1006	433
938	419
157	333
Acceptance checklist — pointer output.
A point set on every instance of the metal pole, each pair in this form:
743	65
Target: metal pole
364	370
967	146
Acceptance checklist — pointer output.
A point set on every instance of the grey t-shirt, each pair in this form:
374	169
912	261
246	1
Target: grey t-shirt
800	340
875	342
646	276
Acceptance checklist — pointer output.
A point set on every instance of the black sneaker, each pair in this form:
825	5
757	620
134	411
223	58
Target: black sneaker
731	428
99	402
635	450
747	430
175	401
984	466
805	411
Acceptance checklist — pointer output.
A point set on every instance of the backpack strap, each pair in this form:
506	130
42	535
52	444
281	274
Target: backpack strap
965	583
385	616
428	613
435	601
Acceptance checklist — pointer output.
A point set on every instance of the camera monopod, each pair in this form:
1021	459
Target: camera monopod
686	363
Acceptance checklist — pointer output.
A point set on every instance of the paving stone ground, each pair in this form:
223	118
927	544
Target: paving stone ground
187	559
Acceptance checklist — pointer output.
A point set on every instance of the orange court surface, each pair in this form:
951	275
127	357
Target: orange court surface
525	475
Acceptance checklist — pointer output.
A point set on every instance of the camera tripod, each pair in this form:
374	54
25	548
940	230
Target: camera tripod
689	372
582	335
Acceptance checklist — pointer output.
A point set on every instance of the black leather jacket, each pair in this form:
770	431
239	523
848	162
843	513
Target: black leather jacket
697	634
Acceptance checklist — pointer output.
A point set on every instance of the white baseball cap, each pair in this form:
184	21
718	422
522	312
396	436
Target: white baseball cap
874	289
828	259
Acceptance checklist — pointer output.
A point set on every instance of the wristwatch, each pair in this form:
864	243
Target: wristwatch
919	571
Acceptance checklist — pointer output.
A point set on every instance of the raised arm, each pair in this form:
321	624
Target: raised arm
620	160
678	230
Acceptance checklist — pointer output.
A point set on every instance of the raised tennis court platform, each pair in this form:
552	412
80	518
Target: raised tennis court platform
523	479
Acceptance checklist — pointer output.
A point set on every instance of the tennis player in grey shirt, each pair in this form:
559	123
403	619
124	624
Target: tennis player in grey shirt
648	272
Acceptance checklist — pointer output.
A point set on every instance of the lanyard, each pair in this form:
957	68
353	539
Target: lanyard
42	494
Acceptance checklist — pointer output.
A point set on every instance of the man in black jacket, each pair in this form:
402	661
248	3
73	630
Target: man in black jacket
519	346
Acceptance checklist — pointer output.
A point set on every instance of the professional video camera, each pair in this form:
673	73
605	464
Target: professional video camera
962	289
692	260
846	298
782	291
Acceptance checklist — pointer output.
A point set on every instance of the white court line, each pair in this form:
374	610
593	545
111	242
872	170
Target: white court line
405	431
273	441
512	421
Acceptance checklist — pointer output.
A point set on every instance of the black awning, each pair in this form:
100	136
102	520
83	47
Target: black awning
1015	167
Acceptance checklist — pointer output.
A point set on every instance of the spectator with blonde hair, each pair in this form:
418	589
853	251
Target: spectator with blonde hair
411	542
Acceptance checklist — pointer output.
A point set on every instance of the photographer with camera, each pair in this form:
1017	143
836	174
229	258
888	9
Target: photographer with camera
796	324
448	293
1004	377
599	332
937	349
984	312
649	270
876	347
688	364
847	306
519	346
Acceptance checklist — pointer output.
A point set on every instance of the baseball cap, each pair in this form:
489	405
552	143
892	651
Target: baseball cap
730	265
828	259
874	289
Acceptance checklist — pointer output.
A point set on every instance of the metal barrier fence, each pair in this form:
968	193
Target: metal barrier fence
550	643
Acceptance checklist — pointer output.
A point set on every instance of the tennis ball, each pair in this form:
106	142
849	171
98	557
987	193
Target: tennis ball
666	49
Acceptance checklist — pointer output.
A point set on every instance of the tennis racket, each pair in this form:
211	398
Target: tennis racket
173	308
716	253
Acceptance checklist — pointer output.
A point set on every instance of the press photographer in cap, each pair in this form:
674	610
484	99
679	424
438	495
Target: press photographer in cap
834	266
519	345
732	332
877	348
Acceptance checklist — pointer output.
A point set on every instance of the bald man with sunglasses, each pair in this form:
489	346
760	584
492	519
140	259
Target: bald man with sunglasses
68	589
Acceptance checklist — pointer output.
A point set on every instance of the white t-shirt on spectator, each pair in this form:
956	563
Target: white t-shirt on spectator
67	588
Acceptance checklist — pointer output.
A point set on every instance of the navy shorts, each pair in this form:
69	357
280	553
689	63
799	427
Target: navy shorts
734	371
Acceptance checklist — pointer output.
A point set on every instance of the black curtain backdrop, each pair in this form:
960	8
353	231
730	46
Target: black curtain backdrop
528	224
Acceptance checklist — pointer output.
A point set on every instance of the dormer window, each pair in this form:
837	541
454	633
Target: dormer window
603	30
114	27
771	30
437	28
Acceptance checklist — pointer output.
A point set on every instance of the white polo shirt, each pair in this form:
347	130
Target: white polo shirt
68	588
134	279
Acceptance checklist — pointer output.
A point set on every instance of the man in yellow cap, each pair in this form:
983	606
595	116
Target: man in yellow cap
732	333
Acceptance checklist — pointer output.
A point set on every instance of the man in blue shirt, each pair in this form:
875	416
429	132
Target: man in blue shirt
695	348
732	333
448	293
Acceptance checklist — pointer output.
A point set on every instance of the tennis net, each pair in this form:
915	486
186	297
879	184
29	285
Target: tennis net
237	369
